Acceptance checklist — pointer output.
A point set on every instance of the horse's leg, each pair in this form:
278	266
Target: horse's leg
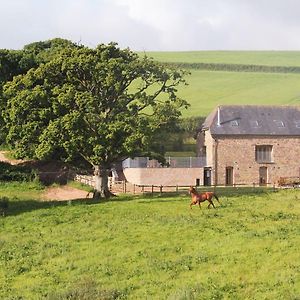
217	198
210	203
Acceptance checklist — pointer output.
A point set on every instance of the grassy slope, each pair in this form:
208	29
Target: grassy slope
207	89
269	58
140	248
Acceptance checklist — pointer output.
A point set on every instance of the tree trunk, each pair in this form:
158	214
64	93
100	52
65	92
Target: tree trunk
101	183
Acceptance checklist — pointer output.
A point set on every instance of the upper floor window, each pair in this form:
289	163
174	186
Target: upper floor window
264	153
234	123
279	123
297	123
255	124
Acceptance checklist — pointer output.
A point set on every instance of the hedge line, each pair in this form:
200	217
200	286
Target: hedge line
236	67
10	172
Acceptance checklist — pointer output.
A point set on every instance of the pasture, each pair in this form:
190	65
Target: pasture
267	58
139	247
207	88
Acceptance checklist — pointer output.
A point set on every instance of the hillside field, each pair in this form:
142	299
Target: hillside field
207	88
138	247
267	58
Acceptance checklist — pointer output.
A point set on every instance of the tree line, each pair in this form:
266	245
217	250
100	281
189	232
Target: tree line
236	67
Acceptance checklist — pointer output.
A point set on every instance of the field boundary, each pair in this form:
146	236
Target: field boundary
235	67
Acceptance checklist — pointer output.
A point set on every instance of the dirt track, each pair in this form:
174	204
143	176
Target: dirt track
63	193
52	193
11	161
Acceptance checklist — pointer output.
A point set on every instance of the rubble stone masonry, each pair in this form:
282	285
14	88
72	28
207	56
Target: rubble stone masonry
239	153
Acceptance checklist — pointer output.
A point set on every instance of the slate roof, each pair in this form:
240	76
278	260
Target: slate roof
254	120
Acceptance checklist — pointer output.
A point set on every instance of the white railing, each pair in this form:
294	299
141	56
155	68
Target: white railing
171	162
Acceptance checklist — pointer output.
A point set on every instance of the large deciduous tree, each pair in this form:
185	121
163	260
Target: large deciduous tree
102	105
16	62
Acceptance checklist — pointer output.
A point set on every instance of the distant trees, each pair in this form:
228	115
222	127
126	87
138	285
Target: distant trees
97	105
236	67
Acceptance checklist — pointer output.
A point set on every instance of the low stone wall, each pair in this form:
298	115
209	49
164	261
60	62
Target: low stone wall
164	176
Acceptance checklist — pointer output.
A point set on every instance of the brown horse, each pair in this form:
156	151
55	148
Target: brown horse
197	198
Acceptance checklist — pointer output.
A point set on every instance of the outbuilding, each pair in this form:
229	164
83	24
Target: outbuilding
246	145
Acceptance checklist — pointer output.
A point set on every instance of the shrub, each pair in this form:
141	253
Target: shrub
10	172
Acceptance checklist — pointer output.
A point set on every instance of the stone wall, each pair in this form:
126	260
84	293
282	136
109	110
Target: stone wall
164	176
239	153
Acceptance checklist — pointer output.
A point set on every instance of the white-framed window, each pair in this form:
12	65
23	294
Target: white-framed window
264	153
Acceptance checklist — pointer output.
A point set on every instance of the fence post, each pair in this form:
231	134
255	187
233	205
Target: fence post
152	189
160	190
177	188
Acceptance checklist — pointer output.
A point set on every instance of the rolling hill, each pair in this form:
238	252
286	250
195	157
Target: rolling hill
209	87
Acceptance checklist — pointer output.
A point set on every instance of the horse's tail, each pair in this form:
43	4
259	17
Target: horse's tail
217	198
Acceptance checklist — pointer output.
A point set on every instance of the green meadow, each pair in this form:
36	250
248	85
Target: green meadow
268	58
142	247
208	88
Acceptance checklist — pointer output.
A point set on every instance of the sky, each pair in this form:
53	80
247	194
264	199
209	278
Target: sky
154	25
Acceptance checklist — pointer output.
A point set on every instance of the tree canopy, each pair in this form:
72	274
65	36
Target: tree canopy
19	62
101	105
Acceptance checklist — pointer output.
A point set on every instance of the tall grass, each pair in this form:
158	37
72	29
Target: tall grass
153	248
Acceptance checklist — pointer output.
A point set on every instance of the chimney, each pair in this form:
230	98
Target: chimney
218	117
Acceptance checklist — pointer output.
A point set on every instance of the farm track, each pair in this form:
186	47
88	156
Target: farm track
59	193
63	193
8	160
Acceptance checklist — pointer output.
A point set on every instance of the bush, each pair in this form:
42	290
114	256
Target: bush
10	172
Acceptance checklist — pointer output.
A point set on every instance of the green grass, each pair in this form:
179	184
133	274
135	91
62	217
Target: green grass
208	89
268	58
22	190
81	186
153	248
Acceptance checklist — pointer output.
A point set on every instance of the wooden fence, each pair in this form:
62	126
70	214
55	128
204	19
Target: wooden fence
124	187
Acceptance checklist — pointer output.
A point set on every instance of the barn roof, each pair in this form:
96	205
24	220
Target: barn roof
254	120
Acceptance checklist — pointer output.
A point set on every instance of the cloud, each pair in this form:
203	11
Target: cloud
156	24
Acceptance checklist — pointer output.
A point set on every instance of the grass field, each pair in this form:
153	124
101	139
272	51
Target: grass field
151	248
268	58
208	89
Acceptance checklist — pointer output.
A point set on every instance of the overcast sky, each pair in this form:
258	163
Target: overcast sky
174	25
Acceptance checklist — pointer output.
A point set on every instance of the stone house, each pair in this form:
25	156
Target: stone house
246	145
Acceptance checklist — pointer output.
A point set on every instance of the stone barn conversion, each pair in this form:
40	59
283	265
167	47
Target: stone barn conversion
246	145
